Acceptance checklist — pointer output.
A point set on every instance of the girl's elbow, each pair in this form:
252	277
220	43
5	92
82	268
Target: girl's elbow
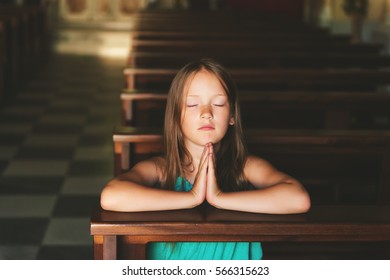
303	203
107	200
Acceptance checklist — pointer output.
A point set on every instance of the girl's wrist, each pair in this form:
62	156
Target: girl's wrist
196	197
215	200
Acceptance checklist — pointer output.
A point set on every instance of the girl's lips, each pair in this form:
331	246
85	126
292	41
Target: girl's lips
206	127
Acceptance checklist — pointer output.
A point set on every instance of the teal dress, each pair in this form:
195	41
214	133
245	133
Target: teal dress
203	250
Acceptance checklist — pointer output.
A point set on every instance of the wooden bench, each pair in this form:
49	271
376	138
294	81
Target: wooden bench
347	176
278	109
337	167
2	60
363	230
261	60
24	38
228	34
219	21
270	79
157	30
11	47
250	45
23	32
266	36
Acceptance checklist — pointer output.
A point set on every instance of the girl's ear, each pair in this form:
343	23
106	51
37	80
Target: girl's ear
231	121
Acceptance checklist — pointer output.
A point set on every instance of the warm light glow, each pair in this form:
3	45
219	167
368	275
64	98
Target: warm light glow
100	43
114	52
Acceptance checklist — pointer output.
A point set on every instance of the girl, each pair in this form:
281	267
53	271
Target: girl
205	160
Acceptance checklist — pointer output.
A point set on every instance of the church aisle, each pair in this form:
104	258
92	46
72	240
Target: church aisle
56	155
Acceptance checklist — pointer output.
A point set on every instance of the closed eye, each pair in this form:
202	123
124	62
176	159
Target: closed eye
219	105
192	105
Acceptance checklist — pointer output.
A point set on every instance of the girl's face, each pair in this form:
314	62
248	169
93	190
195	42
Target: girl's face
205	115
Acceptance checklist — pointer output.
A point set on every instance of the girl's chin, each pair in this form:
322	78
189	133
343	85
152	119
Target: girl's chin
204	142
207	140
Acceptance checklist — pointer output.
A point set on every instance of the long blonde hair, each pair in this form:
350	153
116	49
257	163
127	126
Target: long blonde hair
231	155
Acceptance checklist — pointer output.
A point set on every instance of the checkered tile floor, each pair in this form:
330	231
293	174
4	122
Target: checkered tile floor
56	155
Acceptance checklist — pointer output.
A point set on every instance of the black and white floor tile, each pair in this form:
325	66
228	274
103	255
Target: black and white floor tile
56	155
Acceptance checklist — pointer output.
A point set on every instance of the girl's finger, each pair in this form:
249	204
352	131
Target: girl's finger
203	164
203	157
211	163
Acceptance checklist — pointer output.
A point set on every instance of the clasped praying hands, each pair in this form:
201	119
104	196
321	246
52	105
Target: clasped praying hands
206	186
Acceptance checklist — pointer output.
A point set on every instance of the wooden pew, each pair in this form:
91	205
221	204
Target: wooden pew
277	109
250	45
336	230
177	30
228	34
2	60
337	167
143	79
261	60
23	34
126	235
12	58
224	22
279	35
225	25
22	51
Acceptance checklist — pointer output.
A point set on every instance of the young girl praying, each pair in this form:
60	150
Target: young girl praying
205	160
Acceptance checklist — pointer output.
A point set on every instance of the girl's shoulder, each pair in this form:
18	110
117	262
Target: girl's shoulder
160	165
155	163
257	167
260	173
253	160
148	172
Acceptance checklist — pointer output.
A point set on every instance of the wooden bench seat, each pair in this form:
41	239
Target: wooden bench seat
278	109
126	235
144	79
259	60
336	166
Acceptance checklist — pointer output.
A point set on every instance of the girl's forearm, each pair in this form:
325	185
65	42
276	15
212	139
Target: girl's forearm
131	197
278	199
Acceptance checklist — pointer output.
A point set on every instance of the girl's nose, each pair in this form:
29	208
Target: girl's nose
206	113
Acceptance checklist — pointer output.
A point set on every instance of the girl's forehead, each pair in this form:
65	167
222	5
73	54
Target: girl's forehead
201	82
